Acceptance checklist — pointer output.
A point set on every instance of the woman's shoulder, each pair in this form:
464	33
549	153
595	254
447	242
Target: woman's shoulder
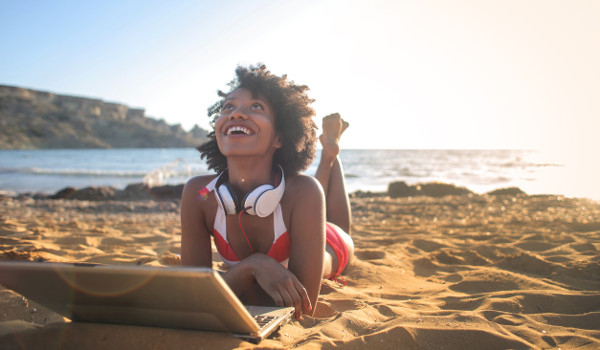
302	185
303	181
195	200
199	182
196	184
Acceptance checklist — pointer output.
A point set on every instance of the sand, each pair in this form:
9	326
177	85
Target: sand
457	272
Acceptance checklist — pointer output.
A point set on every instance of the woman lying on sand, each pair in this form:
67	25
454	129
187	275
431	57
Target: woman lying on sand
267	220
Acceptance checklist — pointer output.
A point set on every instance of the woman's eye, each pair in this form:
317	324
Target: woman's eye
257	106
228	107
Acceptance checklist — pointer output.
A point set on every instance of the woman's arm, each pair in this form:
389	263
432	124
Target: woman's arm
195	237
307	234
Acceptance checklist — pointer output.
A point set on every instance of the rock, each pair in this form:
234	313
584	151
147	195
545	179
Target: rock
509	191
438	189
434	189
367	194
143	192
64	193
93	194
135	192
167	192
401	189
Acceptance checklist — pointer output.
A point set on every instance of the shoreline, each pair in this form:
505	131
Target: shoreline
456	271
140	191
535	172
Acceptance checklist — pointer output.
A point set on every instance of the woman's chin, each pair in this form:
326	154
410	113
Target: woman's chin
232	151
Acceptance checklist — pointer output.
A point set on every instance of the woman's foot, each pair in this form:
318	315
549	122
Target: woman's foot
333	128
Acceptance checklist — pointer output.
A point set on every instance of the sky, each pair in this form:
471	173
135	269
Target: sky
431	74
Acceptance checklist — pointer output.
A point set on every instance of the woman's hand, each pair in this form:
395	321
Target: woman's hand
279	283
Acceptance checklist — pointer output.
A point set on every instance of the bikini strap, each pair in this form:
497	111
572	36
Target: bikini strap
208	188
278	223
211	185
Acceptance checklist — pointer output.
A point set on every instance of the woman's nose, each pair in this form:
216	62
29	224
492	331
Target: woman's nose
238	114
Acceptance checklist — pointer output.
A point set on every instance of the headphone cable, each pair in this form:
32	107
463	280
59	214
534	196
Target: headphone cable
244	232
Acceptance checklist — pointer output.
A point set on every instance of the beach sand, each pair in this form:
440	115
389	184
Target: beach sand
456	272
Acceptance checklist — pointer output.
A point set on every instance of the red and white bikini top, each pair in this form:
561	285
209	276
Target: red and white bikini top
280	249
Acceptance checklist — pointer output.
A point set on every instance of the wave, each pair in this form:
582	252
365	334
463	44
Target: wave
527	164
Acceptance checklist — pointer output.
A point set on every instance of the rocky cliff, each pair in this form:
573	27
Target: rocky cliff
31	119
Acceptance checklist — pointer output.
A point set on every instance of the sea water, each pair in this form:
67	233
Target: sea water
481	171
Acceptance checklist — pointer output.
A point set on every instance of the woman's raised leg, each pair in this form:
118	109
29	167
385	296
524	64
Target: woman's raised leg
331	176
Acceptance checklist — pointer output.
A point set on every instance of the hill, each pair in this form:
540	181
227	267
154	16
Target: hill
31	119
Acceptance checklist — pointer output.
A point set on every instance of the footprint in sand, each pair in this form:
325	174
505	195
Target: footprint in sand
387	310
117	241
477	285
584	248
453	278
509	320
536	246
428	245
370	254
424	267
528	264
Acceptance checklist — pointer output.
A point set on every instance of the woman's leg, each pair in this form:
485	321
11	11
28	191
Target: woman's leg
331	176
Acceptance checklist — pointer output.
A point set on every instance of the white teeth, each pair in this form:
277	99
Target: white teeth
238	129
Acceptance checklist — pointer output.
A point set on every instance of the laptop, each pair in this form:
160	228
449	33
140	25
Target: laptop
180	297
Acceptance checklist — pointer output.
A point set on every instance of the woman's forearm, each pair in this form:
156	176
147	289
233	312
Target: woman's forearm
240	277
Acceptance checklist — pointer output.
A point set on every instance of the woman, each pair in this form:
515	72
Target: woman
267	220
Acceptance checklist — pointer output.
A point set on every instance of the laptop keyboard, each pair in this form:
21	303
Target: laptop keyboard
263	320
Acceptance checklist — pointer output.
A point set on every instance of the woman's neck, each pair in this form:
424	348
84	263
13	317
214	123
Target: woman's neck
245	175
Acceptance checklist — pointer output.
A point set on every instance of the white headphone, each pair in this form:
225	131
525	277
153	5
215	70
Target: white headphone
261	201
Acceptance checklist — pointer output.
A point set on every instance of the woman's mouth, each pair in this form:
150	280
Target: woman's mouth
238	130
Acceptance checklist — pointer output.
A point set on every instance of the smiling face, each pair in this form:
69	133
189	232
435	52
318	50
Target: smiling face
295	136
246	126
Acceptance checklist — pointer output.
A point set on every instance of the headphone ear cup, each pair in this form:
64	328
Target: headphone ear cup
263	200
228	199
259	203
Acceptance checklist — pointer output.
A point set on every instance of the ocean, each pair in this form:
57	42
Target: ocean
481	171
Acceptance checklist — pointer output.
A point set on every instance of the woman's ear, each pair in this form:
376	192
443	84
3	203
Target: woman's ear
277	142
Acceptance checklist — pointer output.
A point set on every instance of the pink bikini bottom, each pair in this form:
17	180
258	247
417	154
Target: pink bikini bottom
336	242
